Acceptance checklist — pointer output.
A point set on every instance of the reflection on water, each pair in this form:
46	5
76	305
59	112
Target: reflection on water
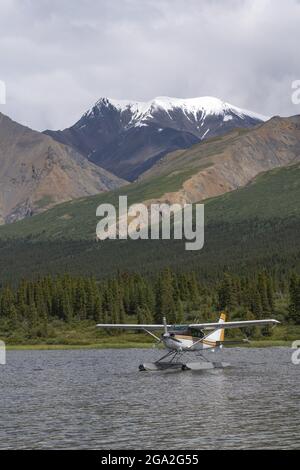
98	399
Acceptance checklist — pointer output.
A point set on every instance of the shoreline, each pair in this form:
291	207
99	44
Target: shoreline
129	345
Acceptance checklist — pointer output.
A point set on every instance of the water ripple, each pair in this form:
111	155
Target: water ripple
98	400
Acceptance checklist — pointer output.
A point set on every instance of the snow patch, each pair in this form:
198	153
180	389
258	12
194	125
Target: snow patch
206	132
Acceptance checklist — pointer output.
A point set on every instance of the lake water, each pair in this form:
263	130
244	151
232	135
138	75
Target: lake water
97	399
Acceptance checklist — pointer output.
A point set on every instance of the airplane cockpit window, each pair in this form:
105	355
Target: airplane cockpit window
196	333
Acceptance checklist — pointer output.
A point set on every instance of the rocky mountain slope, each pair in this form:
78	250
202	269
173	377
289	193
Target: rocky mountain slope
218	166
37	172
129	137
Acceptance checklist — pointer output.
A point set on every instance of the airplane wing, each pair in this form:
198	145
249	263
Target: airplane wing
233	324
197	326
132	326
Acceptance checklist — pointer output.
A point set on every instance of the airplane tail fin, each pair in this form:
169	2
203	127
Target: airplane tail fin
218	335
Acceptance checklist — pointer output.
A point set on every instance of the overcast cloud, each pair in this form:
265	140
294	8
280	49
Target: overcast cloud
59	56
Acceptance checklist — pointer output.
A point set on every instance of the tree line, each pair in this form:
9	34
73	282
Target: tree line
181	297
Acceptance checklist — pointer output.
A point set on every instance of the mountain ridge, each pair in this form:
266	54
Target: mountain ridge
129	137
142	111
37	172
218	166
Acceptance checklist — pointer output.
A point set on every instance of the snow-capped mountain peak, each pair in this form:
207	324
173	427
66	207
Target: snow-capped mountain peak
127	137
196	109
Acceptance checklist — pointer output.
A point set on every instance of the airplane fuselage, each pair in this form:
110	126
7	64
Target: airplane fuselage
187	343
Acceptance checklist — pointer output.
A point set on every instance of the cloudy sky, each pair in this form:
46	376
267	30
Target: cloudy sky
57	57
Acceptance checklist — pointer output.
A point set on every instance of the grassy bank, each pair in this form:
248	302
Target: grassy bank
84	335
128	345
54	347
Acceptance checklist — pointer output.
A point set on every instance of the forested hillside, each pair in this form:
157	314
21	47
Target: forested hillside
254	228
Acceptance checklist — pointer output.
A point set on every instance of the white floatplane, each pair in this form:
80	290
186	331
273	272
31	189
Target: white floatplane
194	337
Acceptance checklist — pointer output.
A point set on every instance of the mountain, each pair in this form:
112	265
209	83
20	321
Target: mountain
129	137
209	169
229	162
255	227
254	223
37	172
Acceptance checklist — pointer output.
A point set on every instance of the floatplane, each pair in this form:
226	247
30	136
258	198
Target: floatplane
191	338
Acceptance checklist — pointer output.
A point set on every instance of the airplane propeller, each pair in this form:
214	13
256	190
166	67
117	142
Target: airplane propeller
166	334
